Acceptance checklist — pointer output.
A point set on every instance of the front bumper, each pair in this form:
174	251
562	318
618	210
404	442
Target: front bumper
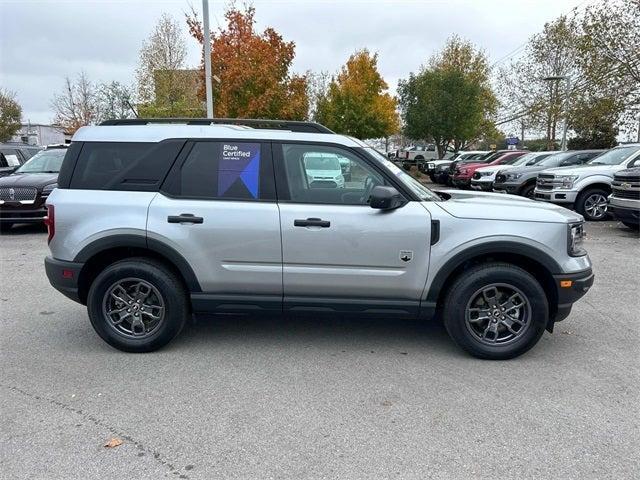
63	276
461	182
555	196
485	186
571	287
625	214
510	188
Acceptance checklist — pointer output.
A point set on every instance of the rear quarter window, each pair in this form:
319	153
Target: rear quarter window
138	166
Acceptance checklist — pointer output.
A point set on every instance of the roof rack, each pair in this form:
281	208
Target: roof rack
291	125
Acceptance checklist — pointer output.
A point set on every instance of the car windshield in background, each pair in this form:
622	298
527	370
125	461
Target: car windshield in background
615	156
511	161
526	158
554	159
415	186
322	163
47	161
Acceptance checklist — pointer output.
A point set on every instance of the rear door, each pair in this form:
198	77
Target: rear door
339	254
217	209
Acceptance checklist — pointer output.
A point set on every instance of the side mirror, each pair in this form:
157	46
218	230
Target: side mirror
385	198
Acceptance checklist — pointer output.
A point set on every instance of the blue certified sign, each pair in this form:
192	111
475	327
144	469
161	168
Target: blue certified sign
513	141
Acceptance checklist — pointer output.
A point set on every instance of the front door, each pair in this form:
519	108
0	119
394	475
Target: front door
339	254
217	209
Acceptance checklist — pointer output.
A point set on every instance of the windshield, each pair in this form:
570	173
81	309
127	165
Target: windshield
322	163
553	160
415	186
615	156
526	158
46	161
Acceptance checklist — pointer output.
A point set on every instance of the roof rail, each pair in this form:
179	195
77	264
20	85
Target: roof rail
292	125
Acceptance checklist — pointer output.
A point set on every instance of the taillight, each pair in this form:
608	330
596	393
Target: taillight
50	222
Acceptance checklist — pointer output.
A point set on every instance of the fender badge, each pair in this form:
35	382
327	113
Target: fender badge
406	255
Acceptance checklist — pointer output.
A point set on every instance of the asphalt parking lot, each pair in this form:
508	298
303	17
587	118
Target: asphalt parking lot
237	397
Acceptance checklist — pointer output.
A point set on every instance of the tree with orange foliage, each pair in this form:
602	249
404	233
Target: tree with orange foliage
357	102
254	69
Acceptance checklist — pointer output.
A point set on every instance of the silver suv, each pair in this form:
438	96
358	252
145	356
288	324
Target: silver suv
153	222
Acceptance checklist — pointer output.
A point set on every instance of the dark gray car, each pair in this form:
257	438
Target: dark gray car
522	180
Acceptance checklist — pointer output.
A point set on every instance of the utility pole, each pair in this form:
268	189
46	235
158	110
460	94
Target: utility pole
207	58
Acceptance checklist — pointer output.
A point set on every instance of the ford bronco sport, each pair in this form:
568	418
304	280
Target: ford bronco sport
153	221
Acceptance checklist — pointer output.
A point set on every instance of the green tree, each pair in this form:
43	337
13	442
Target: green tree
450	101
441	105
356	102
10	115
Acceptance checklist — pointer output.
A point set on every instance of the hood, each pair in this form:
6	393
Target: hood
497	206
494	168
324	173
527	169
28	179
585	170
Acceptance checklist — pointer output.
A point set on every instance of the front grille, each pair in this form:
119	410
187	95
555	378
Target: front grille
9	194
631	194
626	179
501	178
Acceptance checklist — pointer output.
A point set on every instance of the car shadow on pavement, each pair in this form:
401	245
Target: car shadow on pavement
25	228
291	331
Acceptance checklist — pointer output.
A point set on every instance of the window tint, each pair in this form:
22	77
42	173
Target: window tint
225	171
124	166
323	174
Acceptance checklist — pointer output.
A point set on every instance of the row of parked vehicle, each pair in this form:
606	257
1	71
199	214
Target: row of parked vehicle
593	182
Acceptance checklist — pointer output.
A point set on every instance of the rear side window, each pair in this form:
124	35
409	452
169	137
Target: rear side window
224	170
124	166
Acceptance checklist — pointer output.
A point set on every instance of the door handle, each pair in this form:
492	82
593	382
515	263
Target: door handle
312	222
184	218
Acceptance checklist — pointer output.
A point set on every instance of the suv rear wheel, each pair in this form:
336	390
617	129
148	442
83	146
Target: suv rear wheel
496	311
527	191
137	305
592	204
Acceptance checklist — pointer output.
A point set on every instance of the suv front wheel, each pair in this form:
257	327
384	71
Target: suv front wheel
496	311
137	305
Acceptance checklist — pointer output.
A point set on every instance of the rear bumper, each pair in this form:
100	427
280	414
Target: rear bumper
63	276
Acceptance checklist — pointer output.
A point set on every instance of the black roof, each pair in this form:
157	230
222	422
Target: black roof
292	125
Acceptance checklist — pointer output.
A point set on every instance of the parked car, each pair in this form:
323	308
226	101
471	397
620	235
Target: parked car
477	158
151	223
521	179
586	187
624	202
12	155
464	172
429	167
441	172
23	193
417	154
324	170
484	177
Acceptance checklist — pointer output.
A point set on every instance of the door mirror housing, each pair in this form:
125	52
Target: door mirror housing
385	198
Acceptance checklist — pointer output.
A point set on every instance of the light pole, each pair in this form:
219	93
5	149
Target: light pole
565	104
207	57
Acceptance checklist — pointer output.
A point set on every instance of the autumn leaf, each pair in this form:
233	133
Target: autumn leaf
113	442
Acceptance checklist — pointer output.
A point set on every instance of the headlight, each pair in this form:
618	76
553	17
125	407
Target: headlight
574	242
47	189
567	180
513	176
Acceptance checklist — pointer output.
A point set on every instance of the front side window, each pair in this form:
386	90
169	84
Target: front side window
47	161
324	174
226	171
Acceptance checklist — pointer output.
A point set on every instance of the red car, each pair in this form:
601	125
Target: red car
464	171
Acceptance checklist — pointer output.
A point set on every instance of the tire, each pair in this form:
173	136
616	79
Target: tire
527	191
588	198
164	296
493	336
432	177
632	226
